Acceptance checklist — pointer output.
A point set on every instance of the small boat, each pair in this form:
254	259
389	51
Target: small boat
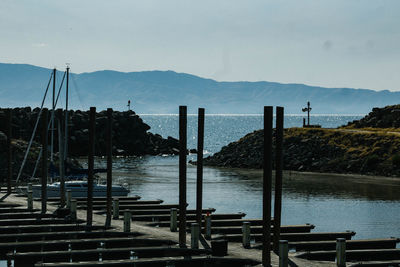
79	189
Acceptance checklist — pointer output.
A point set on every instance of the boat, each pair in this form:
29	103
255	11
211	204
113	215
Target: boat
79	189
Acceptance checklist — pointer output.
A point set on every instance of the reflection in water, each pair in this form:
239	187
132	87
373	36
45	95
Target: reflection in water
369	206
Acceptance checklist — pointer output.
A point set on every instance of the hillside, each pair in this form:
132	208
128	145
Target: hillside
162	92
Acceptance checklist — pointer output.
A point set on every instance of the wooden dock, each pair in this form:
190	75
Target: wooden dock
31	238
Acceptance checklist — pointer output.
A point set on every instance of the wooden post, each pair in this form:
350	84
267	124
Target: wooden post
69	198
173	220
341	252
29	188
109	165
207	224
30	200
246	234
115	208
44	159
74	209
92	129
278	176
267	186
200	146
61	156
9	149
127	221
283	253
182	175
195	232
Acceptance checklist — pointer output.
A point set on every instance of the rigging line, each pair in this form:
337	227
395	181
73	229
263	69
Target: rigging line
34	132
59	90
77	91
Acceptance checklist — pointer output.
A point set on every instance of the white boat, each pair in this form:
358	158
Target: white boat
79	189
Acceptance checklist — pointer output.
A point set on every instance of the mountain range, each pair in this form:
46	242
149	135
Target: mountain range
161	92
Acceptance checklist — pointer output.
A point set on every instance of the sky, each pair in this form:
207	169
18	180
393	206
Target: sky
330	43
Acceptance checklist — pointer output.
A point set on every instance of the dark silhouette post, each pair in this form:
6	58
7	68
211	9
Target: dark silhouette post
109	165
308	109
200	146
61	156
92	129
267	186
278	176
9	148
182	175
44	159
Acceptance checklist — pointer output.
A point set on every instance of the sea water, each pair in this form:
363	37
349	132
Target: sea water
368	206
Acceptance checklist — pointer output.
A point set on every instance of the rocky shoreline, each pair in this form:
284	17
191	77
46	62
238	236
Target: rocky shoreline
318	150
131	136
361	147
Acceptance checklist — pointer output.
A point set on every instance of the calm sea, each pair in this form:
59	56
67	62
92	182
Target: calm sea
332	203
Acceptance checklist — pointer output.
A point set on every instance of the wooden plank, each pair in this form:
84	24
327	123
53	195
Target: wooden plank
25	237
189	217
46	228
57	199
194	261
306	228
295	236
34	221
375	263
350	244
354	255
15	210
80	244
30	258
231	222
166	212
25	215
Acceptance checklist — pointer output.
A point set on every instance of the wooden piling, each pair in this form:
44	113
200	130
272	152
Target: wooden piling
44	159
341	252
246	234
182	175
195	233
200	146
92	129
127	221
73	209
30	199
109	165
283	253
278	177
69	198
207	225
61	157
9	148
267	186
173	220
115	208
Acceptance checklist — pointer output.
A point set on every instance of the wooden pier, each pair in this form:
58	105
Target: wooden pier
43	232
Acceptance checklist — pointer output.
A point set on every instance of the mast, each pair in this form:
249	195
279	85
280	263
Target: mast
66	117
52	115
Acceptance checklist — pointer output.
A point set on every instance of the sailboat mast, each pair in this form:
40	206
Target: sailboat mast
66	117
52	114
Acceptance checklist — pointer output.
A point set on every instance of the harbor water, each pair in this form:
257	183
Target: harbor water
370	206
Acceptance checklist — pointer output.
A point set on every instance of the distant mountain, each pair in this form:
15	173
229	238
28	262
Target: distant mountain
163	91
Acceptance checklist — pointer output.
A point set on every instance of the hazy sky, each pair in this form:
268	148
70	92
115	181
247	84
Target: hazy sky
333	43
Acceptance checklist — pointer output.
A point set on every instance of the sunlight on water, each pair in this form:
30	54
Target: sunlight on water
220	130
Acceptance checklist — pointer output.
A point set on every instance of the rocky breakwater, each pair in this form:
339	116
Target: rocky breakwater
130	133
386	117
131	137
319	150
